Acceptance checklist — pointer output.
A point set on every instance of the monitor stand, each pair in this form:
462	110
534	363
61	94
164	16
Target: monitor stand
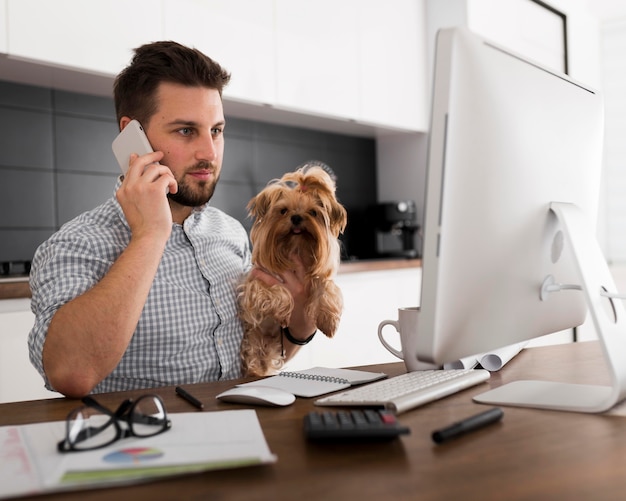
610	322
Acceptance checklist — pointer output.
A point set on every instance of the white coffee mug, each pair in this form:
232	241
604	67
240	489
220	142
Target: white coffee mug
407	327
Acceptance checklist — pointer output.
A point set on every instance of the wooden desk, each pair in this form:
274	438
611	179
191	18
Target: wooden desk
531	454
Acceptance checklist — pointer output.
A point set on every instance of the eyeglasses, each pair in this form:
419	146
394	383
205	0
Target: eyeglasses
93	426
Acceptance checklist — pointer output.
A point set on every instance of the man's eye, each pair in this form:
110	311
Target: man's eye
217	131
185	131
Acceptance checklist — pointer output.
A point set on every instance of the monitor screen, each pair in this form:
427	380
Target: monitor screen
509	137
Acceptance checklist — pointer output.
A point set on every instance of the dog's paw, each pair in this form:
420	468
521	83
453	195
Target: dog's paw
328	309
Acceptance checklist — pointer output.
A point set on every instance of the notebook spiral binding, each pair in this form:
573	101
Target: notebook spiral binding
314	377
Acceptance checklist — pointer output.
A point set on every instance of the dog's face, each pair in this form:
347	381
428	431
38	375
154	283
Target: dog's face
298	215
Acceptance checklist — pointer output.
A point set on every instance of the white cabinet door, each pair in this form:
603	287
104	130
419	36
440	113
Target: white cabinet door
3	26
95	36
238	34
317	56
18	378
393	76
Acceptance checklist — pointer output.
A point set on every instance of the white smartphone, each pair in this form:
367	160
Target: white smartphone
132	139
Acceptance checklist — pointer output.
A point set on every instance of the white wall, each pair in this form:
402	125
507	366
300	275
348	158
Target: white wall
402	157
613	38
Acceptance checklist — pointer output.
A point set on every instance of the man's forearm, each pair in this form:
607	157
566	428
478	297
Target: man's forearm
88	336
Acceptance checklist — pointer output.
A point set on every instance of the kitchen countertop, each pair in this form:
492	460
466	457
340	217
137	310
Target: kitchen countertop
378	265
14	287
17	287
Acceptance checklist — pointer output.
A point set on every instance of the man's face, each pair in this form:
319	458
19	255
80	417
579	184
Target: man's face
188	127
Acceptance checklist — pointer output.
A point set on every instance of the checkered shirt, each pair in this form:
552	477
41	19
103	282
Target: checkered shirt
189	330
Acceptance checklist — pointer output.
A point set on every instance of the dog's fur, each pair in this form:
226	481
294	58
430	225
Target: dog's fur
297	215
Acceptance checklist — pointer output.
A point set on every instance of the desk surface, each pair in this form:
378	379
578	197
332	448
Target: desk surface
530	454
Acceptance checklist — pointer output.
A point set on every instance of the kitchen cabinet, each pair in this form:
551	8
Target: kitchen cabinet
349	65
19	380
238	35
317	57
369	298
93	36
393	76
358	60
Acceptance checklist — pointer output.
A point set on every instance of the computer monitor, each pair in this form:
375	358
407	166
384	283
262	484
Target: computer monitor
513	183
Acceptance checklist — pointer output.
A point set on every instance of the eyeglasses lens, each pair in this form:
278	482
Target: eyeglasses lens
87	428
148	416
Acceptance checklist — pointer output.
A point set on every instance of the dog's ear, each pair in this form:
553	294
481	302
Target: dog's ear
338	218
258	206
319	181
336	213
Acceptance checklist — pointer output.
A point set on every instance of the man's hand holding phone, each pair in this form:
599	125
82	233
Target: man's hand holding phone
131	140
146	182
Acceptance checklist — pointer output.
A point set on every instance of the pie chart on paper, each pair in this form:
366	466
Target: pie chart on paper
133	455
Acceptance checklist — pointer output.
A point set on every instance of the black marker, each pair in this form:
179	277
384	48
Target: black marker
470	424
190	398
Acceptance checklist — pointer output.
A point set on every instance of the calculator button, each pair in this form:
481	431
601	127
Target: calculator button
388	418
329	420
355	424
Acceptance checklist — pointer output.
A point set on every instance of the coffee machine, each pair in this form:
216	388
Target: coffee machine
396	226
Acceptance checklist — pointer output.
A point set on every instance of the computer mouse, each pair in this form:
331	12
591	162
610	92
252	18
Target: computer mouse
257	395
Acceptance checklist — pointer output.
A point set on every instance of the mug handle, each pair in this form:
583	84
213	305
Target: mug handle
382	339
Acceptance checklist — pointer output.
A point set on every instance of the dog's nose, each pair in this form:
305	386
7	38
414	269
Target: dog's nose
296	219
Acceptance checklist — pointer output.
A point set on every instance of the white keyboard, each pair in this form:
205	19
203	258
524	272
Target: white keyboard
407	391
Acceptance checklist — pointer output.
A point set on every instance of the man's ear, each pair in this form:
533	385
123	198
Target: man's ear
124	121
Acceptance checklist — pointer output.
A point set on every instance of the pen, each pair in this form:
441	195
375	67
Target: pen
190	398
470	424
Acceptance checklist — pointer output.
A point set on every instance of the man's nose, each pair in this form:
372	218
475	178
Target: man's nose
206	149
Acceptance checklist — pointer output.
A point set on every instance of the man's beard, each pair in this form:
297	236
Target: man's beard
195	196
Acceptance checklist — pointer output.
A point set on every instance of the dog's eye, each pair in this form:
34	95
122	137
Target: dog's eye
313	213
283	211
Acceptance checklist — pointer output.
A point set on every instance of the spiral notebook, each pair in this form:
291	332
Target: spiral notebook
317	381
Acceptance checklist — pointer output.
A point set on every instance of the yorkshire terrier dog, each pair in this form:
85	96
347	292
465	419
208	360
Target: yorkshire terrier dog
295	216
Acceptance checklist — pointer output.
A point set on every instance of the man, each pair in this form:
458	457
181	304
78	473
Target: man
141	291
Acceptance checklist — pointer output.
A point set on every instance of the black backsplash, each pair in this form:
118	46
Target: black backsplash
56	162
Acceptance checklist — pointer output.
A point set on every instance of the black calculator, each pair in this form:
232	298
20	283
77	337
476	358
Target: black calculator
355	424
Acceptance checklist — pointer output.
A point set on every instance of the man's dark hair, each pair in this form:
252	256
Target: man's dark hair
135	88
